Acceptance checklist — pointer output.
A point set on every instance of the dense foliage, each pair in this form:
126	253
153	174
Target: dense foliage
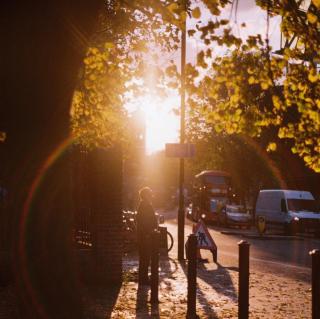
121	62
250	89
247	91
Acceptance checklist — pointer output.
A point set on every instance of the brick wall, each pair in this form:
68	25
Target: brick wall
105	178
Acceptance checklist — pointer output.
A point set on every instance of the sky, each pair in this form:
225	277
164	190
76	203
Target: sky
162	124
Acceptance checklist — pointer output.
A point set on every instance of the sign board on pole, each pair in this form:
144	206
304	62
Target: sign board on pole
178	150
205	241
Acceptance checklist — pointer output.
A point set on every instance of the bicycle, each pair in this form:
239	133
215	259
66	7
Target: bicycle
129	230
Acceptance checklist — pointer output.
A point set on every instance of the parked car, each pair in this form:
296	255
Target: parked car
227	215
235	215
294	211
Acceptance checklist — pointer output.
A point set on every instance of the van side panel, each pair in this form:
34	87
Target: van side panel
269	206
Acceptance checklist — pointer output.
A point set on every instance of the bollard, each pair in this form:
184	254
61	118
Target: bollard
191	245
315	255
243	296
155	243
163	241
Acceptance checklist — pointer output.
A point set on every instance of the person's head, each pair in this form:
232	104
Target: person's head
146	194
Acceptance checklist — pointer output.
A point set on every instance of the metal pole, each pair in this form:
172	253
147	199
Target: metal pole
155	243
182	140
315	255
243	296
192	276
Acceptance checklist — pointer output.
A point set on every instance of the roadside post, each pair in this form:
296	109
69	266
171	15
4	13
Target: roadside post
182	151
155	243
261	223
191	246
315	255
243	295
163	241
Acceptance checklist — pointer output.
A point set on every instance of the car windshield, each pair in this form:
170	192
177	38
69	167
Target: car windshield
303	205
212	180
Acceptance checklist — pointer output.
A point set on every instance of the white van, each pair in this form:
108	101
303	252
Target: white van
295	211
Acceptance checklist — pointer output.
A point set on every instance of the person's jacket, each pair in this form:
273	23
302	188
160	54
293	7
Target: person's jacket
146	219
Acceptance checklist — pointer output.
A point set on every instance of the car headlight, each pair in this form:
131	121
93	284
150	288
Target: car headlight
296	219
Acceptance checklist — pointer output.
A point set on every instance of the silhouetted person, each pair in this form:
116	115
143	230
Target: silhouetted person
146	224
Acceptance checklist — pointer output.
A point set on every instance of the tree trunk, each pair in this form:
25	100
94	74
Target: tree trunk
43	43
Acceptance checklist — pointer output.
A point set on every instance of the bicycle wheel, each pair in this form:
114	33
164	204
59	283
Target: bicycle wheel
170	241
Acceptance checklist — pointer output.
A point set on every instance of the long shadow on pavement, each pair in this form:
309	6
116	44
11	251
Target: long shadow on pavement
99	302
143	308
206	306
219	279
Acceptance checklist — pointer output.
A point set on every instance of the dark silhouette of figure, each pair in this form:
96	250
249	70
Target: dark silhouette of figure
146	224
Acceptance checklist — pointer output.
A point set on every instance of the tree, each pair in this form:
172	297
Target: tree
250	89
38	75
119	66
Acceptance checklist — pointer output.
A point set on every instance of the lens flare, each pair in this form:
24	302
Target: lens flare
35	185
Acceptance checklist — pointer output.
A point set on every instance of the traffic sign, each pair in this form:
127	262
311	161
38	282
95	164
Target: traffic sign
178	150
205	241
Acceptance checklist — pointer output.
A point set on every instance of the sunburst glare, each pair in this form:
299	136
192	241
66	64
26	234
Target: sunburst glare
162	124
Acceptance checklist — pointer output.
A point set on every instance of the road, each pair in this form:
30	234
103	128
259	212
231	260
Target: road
286	257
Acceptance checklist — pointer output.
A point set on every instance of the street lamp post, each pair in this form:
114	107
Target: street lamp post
182	139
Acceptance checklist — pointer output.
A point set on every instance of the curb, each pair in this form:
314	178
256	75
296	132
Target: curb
273	237
264	237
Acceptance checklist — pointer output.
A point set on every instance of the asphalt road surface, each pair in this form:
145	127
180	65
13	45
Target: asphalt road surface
287	257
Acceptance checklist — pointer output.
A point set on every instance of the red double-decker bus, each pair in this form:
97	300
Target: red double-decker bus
211	191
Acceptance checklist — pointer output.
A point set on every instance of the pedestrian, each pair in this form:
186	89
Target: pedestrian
146	224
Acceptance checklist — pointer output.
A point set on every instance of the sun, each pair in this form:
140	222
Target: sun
162	124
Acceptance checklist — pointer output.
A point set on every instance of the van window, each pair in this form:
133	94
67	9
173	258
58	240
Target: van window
302	205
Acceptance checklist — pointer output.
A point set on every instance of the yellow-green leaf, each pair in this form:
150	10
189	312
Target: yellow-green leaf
316	3
183	16
271	147
251	80
312	77
196	13
173	7
312	18
276	101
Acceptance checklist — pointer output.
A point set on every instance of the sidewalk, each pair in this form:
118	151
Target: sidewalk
271	296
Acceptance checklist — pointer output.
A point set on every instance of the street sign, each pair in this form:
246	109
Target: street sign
205	241
178	150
